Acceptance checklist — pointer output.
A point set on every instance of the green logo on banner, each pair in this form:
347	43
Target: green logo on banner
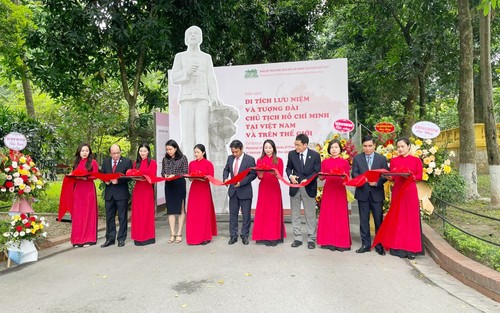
251	73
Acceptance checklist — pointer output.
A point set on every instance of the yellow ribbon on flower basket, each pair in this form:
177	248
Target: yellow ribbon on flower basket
350	196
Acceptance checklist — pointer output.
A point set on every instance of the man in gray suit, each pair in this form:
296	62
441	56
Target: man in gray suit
240	194
303	163
370	196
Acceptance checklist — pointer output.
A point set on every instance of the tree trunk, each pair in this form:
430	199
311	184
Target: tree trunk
28	94
423	91
466	101
409	108
489	113
131	97
478	104
28	97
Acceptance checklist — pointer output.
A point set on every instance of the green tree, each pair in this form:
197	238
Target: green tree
15	23
398	52
100	40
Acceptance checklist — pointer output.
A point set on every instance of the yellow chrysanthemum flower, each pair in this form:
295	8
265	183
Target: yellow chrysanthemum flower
427	161
425	177
447	169
418	142
24	172
22	186
32	164
388	156
418	153
17	217
39	182
22	159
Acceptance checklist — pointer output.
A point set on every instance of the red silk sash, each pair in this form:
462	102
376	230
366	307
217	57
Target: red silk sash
368	176
66	197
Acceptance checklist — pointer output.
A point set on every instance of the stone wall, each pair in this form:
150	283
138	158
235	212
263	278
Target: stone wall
450	139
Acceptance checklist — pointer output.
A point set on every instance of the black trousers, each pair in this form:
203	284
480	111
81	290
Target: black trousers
112	208
365	207
234	207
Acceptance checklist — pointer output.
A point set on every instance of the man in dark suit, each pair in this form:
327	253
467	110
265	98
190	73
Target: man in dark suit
370	196
240	194
303	163
116	197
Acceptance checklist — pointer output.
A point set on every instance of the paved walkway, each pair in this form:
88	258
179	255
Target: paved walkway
220	278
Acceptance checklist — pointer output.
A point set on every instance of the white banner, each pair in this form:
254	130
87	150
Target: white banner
161	137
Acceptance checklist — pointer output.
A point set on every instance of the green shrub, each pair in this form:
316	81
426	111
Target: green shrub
473	248
4	227
450	188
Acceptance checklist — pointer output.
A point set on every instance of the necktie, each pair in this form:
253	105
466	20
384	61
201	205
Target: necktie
369	161
235	170
114	165
302	159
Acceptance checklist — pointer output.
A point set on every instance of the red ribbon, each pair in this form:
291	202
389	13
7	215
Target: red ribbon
371	176
66	198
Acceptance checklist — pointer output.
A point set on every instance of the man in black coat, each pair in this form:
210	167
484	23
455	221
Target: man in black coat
370	196
116	196
303	163
240	194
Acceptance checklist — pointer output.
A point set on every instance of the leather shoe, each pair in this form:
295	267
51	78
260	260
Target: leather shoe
363	249
296	244
232	240
244	239
380	251
311	245
107	244
121	243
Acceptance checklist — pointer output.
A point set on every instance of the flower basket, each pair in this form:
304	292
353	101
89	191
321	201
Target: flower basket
23	253
19	179
21	232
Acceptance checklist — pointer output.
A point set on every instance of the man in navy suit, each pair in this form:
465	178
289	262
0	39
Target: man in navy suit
240	194
116	197
370	196
303	163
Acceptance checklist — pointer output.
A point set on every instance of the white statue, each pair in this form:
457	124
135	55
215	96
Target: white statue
193	71
204	117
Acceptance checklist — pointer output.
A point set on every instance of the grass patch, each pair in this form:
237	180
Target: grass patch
485	228
473	248
484	185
